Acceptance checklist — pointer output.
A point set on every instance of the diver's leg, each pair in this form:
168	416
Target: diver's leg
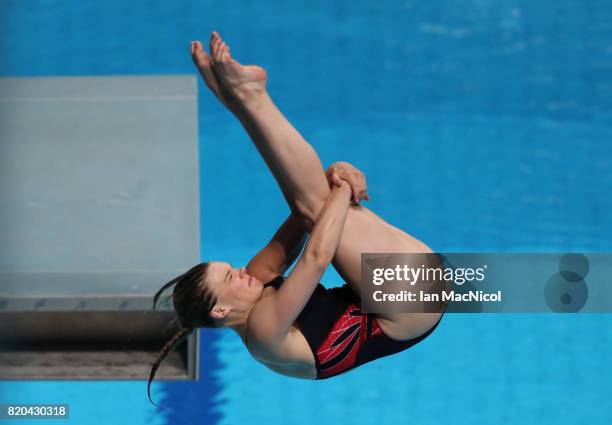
300	175
293	162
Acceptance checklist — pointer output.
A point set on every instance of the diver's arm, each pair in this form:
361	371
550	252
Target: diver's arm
272	322
287	243
282	250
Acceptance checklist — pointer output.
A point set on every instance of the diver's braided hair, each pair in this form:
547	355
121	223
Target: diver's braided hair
192	303
178	337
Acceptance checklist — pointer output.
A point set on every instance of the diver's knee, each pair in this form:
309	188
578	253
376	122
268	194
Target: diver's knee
305	218
307	211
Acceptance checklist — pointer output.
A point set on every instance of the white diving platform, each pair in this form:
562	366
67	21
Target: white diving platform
99	207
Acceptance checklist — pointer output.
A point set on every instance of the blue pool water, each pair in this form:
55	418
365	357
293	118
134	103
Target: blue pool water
481	126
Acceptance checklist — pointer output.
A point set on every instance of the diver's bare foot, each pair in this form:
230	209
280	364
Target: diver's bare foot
205	66
230	81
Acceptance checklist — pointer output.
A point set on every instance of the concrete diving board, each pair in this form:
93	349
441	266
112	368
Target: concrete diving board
99	207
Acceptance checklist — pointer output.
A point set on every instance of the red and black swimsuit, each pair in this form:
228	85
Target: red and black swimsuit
340	336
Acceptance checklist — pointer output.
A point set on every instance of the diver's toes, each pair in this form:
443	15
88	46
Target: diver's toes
224	52
199	55
218	50
213	43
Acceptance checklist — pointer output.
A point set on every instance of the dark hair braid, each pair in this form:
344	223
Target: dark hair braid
178	337
192	303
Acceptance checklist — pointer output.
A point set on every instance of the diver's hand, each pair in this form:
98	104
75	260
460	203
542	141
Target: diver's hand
341	170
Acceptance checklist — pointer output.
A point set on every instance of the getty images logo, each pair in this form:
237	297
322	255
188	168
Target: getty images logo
566	291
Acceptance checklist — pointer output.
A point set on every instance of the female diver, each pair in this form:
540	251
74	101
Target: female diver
293	325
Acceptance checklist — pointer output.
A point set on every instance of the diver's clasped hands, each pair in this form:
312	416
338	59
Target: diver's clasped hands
339	171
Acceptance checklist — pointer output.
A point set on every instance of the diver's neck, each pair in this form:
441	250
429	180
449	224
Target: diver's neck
239	325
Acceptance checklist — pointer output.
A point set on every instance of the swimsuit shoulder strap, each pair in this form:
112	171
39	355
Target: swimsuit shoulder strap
276	282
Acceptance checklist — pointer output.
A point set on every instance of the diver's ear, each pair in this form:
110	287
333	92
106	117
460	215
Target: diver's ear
219	312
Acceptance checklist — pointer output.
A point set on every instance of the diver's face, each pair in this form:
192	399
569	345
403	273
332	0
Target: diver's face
233	287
